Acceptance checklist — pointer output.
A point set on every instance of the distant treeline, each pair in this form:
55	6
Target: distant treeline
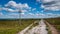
28	19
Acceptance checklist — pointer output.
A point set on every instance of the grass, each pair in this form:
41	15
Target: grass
8	26
55	22
12	26
48	29
34	24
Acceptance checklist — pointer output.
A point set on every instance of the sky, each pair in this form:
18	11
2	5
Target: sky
16	9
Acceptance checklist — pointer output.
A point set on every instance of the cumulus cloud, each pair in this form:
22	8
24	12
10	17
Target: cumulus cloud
17	5
11	3
1	13
12	6
51	15
10	10
38	0
13	14
31	14
51	5
24	10
33	9
39	15
22	13
0	9
47	1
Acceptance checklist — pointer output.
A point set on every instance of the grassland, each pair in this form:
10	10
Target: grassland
55	22
14	26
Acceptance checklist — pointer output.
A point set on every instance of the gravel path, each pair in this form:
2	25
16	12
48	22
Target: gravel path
23	31
40	29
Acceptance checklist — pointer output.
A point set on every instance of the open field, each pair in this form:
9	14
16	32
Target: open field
55	22
14	26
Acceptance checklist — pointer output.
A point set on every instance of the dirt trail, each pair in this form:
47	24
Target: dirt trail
23	31
39	29
52	29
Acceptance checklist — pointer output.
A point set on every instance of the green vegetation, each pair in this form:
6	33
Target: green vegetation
48	29
14	26
55	22
34	24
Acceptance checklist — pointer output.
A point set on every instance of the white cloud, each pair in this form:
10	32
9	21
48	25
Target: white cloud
37	14
42	6
10	10
33	9
31	14
12	6
40	15
49	13
46	1
23	10
51	5
11	3
0	9
38	0
9	15
13	14
22	13
17	5
1	13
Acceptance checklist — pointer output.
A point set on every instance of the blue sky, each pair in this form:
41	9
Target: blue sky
29	9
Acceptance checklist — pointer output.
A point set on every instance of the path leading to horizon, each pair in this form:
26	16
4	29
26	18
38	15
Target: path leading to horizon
24	30
39	29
